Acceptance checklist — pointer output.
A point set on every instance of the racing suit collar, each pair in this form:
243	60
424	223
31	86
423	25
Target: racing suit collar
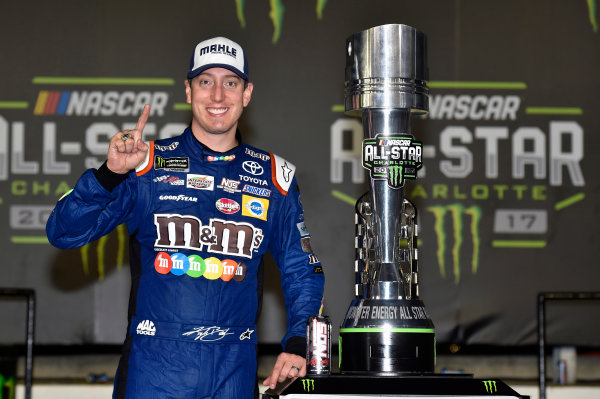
206	151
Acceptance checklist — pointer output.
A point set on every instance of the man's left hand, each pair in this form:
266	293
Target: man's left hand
286	366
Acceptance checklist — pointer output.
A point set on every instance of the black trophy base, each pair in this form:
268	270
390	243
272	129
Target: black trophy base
387	353
405	387
387	337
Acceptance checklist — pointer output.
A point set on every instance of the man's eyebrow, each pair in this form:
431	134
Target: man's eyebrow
232	75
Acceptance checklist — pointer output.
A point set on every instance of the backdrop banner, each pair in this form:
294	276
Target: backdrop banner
507	197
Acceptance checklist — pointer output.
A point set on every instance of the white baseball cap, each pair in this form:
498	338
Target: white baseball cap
218	52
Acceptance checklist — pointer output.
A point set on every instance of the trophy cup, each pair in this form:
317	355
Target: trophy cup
387	340
386	330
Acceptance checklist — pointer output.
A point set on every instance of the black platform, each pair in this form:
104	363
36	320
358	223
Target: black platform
430	386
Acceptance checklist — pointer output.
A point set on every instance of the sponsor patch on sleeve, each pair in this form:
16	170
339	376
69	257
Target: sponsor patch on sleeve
302	229
282	173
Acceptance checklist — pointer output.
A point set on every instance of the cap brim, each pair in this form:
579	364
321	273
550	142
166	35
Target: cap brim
198	71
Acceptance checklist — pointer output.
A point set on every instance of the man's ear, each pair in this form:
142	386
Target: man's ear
188	91
248	93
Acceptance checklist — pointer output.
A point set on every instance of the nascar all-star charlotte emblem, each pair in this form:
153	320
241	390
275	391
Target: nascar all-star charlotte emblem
394	158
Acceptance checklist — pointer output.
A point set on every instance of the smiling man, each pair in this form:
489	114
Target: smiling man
218	92
202	209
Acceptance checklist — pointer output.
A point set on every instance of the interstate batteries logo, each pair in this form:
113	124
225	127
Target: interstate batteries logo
392	158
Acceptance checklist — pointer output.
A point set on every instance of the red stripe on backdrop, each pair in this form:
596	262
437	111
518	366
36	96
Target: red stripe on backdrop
52	103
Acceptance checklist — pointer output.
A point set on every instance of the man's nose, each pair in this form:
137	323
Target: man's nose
217	92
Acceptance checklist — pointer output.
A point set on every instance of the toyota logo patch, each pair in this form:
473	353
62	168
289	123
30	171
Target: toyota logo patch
253	167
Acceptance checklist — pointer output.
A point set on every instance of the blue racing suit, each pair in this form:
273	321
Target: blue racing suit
200	222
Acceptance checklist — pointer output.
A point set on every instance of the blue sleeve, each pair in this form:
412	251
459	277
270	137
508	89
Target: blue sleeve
302	277
90	211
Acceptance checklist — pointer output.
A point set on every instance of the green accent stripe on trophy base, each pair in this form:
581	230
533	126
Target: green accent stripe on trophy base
339	351
394	330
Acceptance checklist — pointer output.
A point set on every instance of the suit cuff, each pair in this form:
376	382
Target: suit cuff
296	346
107	178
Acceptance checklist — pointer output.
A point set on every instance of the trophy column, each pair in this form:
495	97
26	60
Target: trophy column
387	330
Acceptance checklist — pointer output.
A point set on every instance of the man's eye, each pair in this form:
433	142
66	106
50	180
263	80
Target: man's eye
230	84
205	83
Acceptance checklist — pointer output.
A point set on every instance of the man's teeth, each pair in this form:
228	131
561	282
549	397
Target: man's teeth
217	110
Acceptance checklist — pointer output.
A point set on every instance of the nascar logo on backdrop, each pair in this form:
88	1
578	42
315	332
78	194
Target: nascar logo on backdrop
73	120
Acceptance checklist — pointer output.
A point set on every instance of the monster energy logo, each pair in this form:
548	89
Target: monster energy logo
394	158
276	14
456	212
7	384
308	384
592	13
100	252
277	11
490	386
395	176
176	164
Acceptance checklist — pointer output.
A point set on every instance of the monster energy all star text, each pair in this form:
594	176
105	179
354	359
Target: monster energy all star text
394	158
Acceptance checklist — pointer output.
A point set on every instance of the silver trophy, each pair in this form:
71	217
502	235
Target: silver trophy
387	330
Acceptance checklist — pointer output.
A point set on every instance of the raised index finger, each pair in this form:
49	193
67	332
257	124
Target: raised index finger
141	123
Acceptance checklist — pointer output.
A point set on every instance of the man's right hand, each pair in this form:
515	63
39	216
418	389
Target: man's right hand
125	153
